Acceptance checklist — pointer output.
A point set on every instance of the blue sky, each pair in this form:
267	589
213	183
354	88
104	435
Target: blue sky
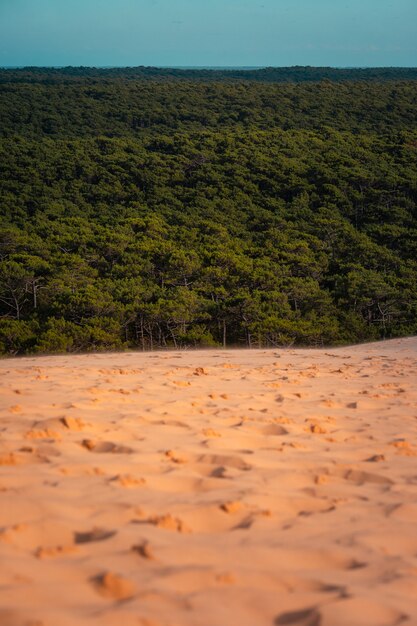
211	32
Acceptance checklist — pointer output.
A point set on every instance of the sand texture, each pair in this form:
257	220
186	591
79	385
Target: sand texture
210	488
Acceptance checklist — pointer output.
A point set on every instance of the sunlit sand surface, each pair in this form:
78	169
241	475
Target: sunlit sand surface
210	488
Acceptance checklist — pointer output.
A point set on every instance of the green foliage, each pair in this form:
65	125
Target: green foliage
17	336
34	106
141	212
96	334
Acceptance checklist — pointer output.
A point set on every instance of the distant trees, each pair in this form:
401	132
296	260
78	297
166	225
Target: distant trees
171	213
125	106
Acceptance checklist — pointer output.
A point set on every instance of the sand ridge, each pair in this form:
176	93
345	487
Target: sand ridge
207	488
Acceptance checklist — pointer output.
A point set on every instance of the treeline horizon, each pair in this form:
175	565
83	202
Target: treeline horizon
144	214
275	74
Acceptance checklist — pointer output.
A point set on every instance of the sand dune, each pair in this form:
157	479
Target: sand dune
210	488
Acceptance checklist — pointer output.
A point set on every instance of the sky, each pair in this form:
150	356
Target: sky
338	33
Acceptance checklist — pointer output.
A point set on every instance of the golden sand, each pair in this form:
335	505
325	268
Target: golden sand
210	488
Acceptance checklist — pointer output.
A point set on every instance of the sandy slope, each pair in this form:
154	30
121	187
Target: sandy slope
213	488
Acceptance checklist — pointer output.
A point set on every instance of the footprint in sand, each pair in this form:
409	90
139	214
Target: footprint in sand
27	455
176	457
210	432
321	479
404	448
41	538
295	445
114	586
73	423
54	552
123	392
224	461
171	423
127	481
166	522
10	458
360	478
305	617
200	371
103	447
316	428
81	470
361	611
144	550
96	534
231	507
46	433
15	535
16	408
274	430
376	458
406	512
215	396
330	404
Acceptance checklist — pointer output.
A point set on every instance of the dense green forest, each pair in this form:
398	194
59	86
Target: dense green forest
263	74
146	208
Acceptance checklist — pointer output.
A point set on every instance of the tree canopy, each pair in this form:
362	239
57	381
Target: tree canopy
156	210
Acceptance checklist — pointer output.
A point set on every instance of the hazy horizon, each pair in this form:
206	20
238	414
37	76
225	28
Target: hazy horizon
212	67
